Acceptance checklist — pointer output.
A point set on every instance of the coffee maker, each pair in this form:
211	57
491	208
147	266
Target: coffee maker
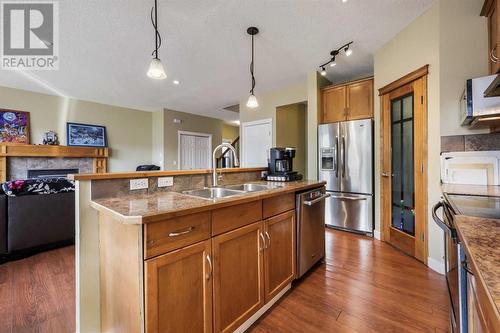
281	165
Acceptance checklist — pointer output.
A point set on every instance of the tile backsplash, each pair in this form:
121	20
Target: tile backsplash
474	142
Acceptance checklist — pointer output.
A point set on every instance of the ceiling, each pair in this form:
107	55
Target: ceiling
106	45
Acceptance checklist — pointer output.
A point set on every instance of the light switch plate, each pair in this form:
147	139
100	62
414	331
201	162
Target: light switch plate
138	184
165	181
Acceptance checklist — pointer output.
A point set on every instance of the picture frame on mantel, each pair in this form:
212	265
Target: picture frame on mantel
86	135
14	127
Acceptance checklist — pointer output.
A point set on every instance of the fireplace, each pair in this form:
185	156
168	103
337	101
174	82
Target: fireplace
51	173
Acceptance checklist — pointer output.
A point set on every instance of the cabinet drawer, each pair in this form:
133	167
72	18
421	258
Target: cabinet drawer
277	205
230	218
162	237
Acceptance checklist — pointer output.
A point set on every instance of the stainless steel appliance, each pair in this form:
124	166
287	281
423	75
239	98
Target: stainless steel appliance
346	164
281	165
310	228
474	102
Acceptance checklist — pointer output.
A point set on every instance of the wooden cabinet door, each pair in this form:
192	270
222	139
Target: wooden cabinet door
360	100
475	318
178	290
491	11
334	104
238	276
279	257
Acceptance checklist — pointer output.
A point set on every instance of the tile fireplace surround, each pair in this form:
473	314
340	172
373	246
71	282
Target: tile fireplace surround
18	166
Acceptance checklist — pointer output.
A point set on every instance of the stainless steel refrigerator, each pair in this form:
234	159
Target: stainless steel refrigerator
345	152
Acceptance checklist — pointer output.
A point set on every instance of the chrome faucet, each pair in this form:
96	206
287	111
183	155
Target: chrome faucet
214	161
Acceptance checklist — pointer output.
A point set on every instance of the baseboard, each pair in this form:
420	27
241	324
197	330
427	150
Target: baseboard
436	265
376	234
261	311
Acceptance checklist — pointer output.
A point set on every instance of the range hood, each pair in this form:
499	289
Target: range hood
493	89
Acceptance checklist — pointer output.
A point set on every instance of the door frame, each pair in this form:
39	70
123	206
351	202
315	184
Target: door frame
207	135
415	82
252	123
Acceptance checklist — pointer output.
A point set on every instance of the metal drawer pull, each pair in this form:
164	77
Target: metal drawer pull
209	274
348	198
312	202
465	266
179	233
269	239
263	241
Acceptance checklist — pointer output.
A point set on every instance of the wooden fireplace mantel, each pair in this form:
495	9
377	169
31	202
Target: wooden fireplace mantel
99	155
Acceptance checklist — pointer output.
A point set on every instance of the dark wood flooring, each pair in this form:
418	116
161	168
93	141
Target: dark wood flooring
365	286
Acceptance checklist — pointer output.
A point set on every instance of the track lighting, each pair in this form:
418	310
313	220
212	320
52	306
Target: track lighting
252	100
348	51
156	70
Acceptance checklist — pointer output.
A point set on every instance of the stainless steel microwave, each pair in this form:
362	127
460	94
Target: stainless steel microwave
474	104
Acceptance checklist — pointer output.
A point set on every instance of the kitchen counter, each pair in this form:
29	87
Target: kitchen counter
481	240
152	207
486	190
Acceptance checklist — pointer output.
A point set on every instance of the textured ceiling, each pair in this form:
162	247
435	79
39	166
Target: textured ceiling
105	48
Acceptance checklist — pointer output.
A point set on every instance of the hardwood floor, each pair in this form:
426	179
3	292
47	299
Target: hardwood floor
365	286
37	294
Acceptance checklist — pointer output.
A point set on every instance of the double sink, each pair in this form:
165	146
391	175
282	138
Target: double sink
228	191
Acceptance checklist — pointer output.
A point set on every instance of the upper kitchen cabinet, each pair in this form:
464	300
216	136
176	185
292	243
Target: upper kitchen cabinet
348	101
491	10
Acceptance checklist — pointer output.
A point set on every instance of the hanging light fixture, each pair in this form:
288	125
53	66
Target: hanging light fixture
252	100
334	54
156	70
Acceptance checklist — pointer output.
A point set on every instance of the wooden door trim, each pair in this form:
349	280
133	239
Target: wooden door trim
419	88
409	78
487	8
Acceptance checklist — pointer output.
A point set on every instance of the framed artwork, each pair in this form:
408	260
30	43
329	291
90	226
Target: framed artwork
14	126
85	135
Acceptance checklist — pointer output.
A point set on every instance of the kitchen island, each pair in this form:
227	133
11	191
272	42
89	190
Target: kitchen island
480	238
172	262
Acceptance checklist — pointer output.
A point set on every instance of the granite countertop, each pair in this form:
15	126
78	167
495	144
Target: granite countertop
152	207
481	239
486	190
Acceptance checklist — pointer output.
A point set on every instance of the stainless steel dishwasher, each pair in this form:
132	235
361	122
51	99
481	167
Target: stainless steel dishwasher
310	228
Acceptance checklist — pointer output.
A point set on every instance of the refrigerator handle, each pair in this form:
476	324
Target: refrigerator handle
337	157
343	157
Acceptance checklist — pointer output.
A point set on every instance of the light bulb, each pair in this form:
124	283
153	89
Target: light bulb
156	70
252	102
344	1
323	71
333	64
348	51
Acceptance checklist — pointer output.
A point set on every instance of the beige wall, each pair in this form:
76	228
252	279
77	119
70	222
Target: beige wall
191	123
128	130
230	132
291	132
431	39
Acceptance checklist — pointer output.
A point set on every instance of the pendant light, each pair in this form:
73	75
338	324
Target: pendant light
156	70
252	100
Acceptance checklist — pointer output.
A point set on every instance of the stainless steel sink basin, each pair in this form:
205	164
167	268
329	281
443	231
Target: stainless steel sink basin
249	187
213	193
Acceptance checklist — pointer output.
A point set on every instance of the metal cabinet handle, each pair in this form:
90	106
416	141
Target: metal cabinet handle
386	174
268	240
493	57
179	232
210	272
348	198
465	266
263	241
312	202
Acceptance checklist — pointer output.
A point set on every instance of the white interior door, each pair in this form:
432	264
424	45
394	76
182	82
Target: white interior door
256	141
195	151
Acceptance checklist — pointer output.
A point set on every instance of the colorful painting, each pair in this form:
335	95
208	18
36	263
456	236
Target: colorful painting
84	135
14	126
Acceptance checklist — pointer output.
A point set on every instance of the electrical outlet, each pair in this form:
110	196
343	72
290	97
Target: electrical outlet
138	184
165	181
